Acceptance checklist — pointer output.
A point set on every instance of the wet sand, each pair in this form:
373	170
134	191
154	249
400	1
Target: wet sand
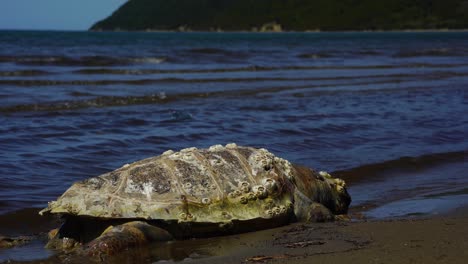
435	240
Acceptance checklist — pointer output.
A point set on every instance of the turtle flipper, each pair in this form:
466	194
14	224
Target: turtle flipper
121	237
9	242
317	212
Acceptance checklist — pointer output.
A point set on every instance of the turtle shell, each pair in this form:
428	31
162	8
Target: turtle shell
214	185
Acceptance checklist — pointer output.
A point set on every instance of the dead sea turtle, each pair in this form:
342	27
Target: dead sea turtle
192	193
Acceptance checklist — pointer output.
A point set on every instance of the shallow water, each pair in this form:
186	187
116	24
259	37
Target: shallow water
78	104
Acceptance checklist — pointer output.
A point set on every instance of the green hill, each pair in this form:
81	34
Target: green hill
297	15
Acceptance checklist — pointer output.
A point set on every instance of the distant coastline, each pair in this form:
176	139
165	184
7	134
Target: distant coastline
287	16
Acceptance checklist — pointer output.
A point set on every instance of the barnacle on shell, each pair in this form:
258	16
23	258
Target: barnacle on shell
251	196
260	191
270	185
243	200
244	186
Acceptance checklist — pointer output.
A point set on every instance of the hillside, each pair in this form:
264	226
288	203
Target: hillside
297	15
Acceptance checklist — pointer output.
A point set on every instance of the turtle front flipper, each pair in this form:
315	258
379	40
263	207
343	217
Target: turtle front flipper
115	239
9	242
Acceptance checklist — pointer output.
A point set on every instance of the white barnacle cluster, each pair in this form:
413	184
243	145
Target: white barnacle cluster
132	187
217	161
174	155
168	152
234	194
185	154
260	191
185	150
244	193
216	148
285	167
325	174
244	186
271	186
189	156
339	184
231	146
261	161
145	188
276	211
94	182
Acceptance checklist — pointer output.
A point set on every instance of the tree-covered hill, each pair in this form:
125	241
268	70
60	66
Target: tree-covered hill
296	15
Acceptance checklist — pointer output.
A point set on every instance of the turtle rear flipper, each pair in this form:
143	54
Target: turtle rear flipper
121	237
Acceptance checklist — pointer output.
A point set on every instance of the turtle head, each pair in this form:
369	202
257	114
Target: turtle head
320	187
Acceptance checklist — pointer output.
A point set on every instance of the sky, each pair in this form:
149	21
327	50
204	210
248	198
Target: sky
54	14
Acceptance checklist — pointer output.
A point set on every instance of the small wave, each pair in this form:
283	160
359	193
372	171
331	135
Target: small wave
93	61
35	60
23	73
179	115
40	82
133	122
149	60
20	82
150	81
159	98
256	68
102	101
178	71
453	135
439	52
314	55
80	94
366	172
207	51
368	53
157	140
111	71
110	101
211	54
216	51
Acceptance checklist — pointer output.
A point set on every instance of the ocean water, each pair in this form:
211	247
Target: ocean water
388	112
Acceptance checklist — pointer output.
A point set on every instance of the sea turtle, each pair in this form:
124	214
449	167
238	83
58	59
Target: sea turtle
192	193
